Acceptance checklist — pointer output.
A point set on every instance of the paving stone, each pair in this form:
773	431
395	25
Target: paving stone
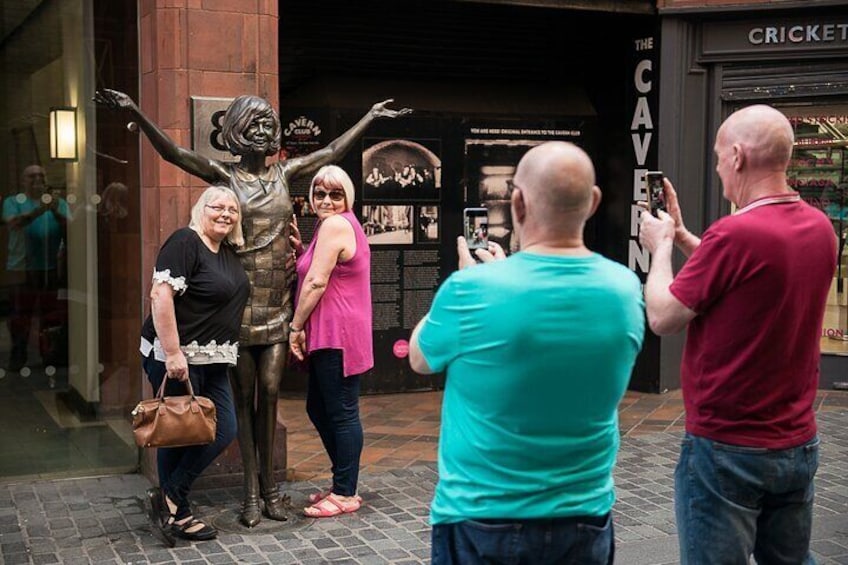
306	553
13	547
15	536
324	543
15	558
336	555
78	561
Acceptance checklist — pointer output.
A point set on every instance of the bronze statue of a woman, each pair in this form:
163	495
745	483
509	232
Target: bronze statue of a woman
251	130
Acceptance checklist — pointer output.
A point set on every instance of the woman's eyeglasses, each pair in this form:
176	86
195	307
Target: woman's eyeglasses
221	209
335	195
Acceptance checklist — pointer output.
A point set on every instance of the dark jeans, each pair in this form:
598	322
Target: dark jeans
37	300
332	403
179	466
577	540
732	501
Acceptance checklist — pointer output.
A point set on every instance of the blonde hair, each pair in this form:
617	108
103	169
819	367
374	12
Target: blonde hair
330	177
236	237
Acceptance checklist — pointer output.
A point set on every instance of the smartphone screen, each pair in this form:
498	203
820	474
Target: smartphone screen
476	229
654	187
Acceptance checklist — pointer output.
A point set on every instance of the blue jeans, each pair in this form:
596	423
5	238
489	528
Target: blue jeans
732	502
178	467
332	403
557	541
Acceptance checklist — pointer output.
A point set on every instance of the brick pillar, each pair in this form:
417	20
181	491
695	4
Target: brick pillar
219	48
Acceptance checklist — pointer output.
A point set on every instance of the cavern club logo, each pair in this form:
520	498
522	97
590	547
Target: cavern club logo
301	129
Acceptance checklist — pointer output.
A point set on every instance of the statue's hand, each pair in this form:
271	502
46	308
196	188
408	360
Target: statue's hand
379	110
113	99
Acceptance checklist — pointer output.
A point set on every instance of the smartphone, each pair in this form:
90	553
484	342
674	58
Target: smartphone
656	194
476	227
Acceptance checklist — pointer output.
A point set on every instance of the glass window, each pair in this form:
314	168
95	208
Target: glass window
819	171
69	241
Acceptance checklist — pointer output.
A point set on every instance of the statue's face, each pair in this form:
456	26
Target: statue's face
260	132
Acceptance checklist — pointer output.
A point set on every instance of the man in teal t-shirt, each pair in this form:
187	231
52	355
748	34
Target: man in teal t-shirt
37	219
538	350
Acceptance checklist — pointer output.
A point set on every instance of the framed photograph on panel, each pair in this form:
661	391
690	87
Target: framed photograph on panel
387	225
401	169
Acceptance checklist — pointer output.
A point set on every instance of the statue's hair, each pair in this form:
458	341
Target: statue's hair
240	113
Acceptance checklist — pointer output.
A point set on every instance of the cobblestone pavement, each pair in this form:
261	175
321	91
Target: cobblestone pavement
102	521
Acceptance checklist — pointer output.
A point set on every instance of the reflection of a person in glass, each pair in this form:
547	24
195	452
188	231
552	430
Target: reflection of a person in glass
37	218
251	130
481	232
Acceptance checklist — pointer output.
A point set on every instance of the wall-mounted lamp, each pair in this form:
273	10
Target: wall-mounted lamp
63	134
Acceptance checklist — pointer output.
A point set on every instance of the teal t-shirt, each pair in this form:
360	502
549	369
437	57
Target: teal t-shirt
538	351
36	246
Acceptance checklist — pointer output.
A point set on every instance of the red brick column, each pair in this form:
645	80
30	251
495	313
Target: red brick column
219	48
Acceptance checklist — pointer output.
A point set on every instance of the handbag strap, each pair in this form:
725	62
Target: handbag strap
160	395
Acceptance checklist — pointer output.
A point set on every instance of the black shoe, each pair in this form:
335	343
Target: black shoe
157	513
205	533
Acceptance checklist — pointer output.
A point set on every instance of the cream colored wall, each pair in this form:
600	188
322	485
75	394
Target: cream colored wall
78	62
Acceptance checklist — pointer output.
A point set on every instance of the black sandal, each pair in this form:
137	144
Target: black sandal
158	514
205	533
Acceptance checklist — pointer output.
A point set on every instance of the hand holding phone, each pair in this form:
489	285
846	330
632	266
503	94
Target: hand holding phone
656	191
476	228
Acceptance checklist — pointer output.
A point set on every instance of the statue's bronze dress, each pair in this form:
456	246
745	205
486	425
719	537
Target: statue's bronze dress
267	213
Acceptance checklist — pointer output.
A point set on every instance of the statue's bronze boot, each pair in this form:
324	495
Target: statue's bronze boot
250	514
276	506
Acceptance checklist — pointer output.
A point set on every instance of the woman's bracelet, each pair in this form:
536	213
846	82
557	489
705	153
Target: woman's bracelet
294	330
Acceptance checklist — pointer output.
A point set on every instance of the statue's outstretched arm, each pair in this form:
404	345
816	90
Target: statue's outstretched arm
210	170
339	146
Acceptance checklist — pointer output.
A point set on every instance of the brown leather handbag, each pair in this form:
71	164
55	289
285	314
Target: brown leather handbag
174	421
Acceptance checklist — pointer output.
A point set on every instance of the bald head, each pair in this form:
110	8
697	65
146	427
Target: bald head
764	133
557	181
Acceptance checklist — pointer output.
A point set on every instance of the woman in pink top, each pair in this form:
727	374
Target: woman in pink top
331	327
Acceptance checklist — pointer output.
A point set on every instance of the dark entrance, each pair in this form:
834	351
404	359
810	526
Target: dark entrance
527	73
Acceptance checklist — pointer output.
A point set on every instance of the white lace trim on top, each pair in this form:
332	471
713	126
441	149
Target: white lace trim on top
195	353
179	283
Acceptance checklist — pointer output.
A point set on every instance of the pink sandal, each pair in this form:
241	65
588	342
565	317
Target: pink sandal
330	506
317	497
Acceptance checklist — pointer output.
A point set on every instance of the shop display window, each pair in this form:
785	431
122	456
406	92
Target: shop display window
819	172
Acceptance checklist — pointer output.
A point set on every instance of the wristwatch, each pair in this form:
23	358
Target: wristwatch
294	330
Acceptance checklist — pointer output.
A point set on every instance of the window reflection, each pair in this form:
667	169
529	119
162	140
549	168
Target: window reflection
819	172
69	243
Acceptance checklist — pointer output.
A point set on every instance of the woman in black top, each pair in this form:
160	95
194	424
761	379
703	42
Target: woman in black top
199	293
